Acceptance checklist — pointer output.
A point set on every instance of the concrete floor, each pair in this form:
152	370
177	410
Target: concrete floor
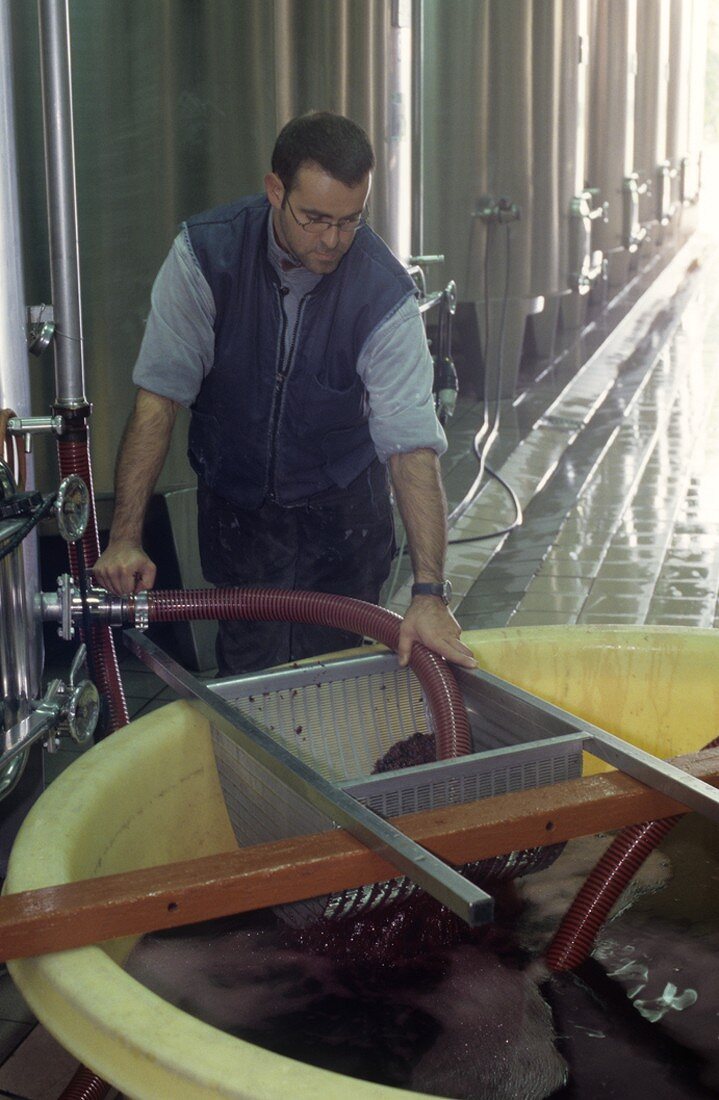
614	464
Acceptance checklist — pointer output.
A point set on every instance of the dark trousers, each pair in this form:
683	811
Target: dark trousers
339	541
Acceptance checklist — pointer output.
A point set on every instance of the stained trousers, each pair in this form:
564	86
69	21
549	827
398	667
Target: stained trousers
339	541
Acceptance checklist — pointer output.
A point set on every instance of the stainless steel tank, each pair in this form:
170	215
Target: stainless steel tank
355	57
581	202
452	59
510	176
477	130
690	183
22	777
610	148
14	373
563	262
680	65
549	212
687	63
20	629
650	112
20	633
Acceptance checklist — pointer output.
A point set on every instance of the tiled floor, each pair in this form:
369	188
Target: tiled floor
615	465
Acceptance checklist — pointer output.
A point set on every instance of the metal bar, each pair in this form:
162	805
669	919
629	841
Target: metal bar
54	25
418	149
34	425
318	672
656	773
55	918
431	301
441	881
641	765
20	736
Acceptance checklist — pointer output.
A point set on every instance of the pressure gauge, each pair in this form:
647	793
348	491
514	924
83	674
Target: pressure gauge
72	508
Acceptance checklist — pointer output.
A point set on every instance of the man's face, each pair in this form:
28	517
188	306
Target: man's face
314	194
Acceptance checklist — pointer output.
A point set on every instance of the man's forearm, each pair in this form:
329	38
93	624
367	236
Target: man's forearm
420	497
422	505
142	454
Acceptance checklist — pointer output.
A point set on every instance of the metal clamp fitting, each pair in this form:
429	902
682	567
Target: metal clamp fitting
142	611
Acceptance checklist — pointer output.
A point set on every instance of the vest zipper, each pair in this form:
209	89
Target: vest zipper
284	366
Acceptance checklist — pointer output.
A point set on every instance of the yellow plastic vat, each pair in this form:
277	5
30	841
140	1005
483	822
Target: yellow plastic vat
150	795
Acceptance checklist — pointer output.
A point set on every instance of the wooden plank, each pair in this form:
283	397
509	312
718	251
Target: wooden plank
75	914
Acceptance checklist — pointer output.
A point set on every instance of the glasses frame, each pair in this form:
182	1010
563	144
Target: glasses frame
325	224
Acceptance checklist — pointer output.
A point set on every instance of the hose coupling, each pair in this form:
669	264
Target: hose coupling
142	611
67	606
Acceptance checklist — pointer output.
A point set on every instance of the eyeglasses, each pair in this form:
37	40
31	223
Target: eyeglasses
321	225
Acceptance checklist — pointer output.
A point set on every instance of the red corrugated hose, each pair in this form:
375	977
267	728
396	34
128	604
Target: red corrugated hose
85	1085
273	604
575	937
74	458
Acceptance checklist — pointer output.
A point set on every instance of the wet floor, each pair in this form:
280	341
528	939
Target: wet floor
615	468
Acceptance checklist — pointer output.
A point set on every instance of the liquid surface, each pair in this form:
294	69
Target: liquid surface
475	1015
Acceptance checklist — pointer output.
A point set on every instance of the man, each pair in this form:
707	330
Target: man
293	334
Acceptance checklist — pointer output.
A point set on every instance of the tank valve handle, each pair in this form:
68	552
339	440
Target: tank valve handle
71	708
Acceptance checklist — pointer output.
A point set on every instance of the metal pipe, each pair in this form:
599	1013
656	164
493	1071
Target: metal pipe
35	425
418	150
54	28
398	133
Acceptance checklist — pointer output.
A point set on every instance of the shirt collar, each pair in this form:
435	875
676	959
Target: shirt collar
295	273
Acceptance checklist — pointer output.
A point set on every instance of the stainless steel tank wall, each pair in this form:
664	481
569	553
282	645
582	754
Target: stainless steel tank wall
651	102
680	58
547	213
560	253
477	110
573	125
14	378
610	136
20	634
356	59
176	109
455	108
687	54
697	76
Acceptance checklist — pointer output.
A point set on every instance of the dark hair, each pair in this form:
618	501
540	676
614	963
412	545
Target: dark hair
339	146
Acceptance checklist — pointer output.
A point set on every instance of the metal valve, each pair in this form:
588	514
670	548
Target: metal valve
82	708
81	712
72	708
72	508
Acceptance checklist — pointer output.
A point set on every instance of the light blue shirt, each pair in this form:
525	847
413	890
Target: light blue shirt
395	366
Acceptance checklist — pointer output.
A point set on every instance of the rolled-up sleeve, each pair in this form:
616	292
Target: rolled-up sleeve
397	371
177	348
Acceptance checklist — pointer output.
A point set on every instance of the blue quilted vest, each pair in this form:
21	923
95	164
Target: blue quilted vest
269	426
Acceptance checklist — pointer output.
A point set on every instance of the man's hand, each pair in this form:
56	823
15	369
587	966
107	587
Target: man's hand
429	621
124	568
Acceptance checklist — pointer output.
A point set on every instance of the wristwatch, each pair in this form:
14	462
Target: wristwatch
443	589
